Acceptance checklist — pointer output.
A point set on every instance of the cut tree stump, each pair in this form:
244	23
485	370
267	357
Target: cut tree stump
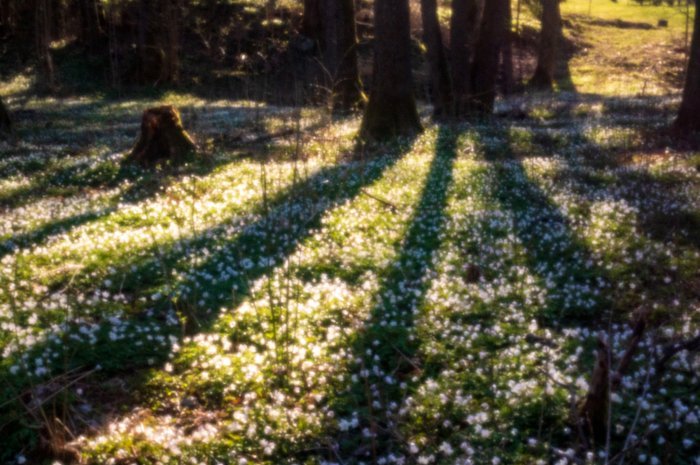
5	121
162	138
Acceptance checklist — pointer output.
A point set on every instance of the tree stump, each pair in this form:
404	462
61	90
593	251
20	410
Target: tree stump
5	121
162	138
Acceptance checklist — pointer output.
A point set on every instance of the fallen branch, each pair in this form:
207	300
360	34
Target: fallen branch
243	140
385	202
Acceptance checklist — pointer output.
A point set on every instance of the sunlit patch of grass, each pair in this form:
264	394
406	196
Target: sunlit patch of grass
627	60
295	301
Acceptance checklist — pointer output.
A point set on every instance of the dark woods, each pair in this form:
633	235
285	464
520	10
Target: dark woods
316	54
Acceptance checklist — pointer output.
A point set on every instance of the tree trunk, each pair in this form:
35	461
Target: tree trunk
90	29
441	87
340	54
162	138
42	40
464	27
689	115
311	24
550	37
391	110
507	53
170	40
159	41
485	67
5	121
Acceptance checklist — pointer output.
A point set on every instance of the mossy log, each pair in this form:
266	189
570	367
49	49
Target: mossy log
162	138
5	121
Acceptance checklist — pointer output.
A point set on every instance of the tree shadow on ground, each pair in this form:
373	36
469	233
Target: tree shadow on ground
387	352
387	329
554	253
662	210
74	178
281	224
562	72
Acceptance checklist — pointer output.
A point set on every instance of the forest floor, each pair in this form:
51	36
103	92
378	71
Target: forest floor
296	297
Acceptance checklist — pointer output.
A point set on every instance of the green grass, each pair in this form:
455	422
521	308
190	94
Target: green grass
307	300
619	61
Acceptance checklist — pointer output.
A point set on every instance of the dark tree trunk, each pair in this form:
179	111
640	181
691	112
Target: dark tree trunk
441	87
162	138
550	38
507	53
159	41
689	115
42	40
5	121
143	35
486	55
464	27
391	110
5	19
17	17
311	24
90	33
58	19
340	54
170	40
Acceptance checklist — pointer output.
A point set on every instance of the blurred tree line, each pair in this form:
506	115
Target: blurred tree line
314	44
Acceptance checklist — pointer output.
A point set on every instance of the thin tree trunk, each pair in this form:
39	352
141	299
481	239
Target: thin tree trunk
311	24
143	34
113	46
159	41
507	53
172	10
42	38
550	38
391	110
464	27
340	54
689	114
347	87
485	66
441	86
90	29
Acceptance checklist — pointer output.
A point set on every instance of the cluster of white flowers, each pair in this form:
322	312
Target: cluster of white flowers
438	307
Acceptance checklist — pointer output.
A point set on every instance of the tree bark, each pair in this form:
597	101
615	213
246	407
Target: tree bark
464	28
485	67
162	138
340	54
5	121
391	110
550	38
688	119
507	53
311	24
172	10
441	87
90	29
159	41
42	40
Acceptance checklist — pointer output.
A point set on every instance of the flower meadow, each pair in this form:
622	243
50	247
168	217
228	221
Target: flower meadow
312	300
